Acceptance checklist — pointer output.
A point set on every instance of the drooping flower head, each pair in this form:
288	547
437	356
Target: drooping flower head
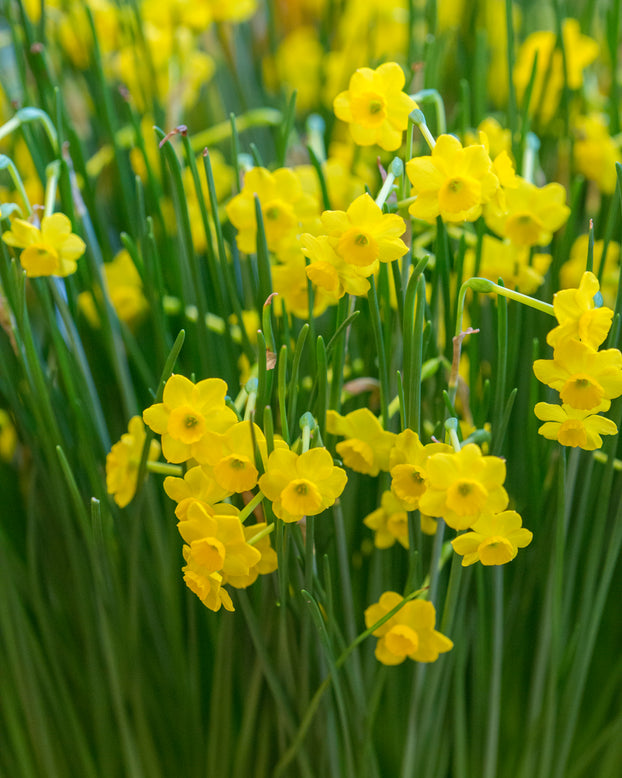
123	461
367	445
408	467
375	107
389	522
578	316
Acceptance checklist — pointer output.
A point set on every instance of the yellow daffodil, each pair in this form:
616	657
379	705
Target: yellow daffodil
267	563
123	461
285	208
579	51
596	152
463	485
453	182
289	281
572	427
494	539
301	485
578	316
409	633
407	462
207	586
329	271
375	107
389	522
367	445
363	234
49	251
186	413
571	271
583	377
125	290
231	456
217	542
195	485
531	214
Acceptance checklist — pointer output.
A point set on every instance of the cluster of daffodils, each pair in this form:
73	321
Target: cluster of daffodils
587	379
217	461
458	484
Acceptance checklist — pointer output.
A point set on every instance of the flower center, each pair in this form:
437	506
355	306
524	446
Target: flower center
581	391
466	498
402	640
496	550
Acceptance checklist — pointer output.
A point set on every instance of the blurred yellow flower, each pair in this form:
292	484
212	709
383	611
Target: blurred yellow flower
389	522
367	445
267	563
596	152
207	586
123	460
125	289
531	214
375	107
51	250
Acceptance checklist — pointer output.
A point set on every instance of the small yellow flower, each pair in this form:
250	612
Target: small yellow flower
363	234
123	460
49	251
572	271
268	562
463	485
409	633
375	107
231	456
583	377
578	316
453	182
389	522
187	412
125	290
367	445
494	539
289	281
572	427
596	152
407	462
285	208
195	485
531	214
329	271
207	586
301	485
217	542
516	265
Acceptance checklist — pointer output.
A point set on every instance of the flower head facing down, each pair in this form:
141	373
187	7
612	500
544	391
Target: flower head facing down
301	484
51	250
573	427
407	461
453	182
375	107
389	522
493	539
463	485
409	633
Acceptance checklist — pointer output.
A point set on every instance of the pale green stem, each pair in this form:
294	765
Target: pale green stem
396	169
52	173
529	157
250	507
29	114
258	117
451	428
262	534
600	456
433	96
316	127
7	162
164	468
307	425
418	118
